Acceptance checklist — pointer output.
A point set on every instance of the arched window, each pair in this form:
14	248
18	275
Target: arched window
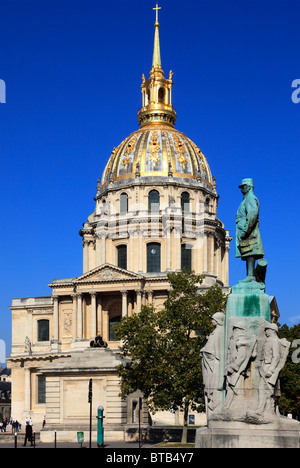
153	257
153	200
122	256
113	323
43	330
185	201
123	203
186	257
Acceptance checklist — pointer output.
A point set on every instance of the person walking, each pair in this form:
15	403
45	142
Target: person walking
28	434
17	426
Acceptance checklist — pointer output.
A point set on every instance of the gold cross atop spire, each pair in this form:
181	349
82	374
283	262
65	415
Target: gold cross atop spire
157	8
156	51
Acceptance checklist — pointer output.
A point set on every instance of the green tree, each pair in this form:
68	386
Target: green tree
162	349
289	401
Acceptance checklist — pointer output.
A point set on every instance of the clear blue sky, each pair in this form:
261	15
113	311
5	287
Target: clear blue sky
73	70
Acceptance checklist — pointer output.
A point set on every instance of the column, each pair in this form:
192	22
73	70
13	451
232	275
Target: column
211	252
92	254
103	250
79	315
93	314
168	249
204	250
124	303
85	256
105	325
74	312
55	318
138	301
100	317
140	252
226	265
150	298
27	396
177	248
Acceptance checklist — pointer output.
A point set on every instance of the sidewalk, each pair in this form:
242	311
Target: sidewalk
108	445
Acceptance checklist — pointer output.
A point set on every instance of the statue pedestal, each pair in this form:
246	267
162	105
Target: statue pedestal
241	435
248	305
248	355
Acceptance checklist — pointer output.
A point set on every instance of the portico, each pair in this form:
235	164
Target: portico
95	301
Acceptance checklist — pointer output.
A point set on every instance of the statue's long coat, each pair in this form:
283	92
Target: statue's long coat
248	241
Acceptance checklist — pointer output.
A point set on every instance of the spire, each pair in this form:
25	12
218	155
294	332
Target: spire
156	62
157	90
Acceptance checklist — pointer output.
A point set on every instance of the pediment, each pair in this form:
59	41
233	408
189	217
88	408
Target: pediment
107	273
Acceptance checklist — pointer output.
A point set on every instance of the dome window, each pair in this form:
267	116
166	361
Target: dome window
123	203
185	202
153	201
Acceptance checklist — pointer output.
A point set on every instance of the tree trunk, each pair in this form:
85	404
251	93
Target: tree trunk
185	424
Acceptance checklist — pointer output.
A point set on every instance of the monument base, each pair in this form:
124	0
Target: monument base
248	305
239	435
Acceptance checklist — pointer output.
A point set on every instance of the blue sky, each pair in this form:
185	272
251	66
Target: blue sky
73	71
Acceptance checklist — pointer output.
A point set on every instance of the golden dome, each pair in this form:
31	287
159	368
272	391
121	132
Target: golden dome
157	149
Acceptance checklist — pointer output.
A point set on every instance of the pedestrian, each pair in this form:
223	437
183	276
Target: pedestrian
17	426
44	421
28	434
1	426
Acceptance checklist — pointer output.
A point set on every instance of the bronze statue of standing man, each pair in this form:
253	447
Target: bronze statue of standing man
248	245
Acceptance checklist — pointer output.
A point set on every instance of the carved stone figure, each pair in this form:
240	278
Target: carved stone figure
241	349
274	355
28	345
212	355
248	240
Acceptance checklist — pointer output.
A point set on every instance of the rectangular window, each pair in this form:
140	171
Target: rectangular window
41	389
43	330
186	257
153	257
122	256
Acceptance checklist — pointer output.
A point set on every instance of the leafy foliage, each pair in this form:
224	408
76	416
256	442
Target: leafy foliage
162	349
290	375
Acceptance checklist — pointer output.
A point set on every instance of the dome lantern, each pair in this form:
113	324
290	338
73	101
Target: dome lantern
157	90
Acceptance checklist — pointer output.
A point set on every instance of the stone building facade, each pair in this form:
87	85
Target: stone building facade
155	213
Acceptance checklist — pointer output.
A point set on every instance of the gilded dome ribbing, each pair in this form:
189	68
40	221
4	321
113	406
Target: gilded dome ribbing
157	151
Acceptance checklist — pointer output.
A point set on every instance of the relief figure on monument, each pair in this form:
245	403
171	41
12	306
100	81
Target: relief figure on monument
273	358
241	351
241	348
212	359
